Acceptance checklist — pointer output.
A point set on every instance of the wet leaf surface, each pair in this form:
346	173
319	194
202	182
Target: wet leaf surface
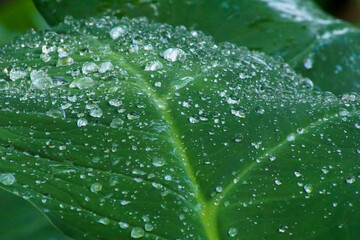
322	48
121	129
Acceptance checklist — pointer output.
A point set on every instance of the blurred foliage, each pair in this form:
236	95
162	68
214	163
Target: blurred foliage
16	17
19	220
348	10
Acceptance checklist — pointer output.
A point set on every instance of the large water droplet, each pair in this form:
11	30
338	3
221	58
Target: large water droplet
96	112
82	83
174	54
233	232
153	66
40	80
105	67
7	179
82	122
137	232
89	67
118	31
17	73
96	187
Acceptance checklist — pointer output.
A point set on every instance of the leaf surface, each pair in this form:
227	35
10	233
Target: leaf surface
126	129
315	44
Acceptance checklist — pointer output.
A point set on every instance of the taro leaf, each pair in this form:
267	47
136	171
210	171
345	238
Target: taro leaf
126	129
19	220
318	46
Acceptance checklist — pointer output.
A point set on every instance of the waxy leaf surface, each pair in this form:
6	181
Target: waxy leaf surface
121	129
316	45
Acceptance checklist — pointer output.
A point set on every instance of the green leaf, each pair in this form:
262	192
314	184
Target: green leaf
20	220
318	46
12	25
133	130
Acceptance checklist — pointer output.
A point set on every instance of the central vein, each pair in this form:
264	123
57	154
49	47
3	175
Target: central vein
207	211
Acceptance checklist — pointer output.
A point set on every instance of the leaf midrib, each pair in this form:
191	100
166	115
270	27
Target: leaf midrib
207	212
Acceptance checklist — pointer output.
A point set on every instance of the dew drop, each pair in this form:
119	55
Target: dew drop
40	80
117	123
118	31
123	225
174	54
350	179
7	179
17	73
105	67
104	221
158	162
82	122
4	85
89	67
308	188
96	187
137	232
233	232
82	83
149	227
153	66
96	112
290	137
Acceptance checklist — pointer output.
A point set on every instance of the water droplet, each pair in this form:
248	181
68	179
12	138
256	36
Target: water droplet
137	232
308	188
56	113
40	80
89	67
219	189
115	102
233	232
309	62
123	225
158	162
118	31
82	83
7	179
239	112
105	67
4	85
290	137
96	112
117	123
282	229
133	116
297	174
174	54
104	221
17	73
153	66
149	227
278	182
350	179
82	122
64	61
193	120
96	187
